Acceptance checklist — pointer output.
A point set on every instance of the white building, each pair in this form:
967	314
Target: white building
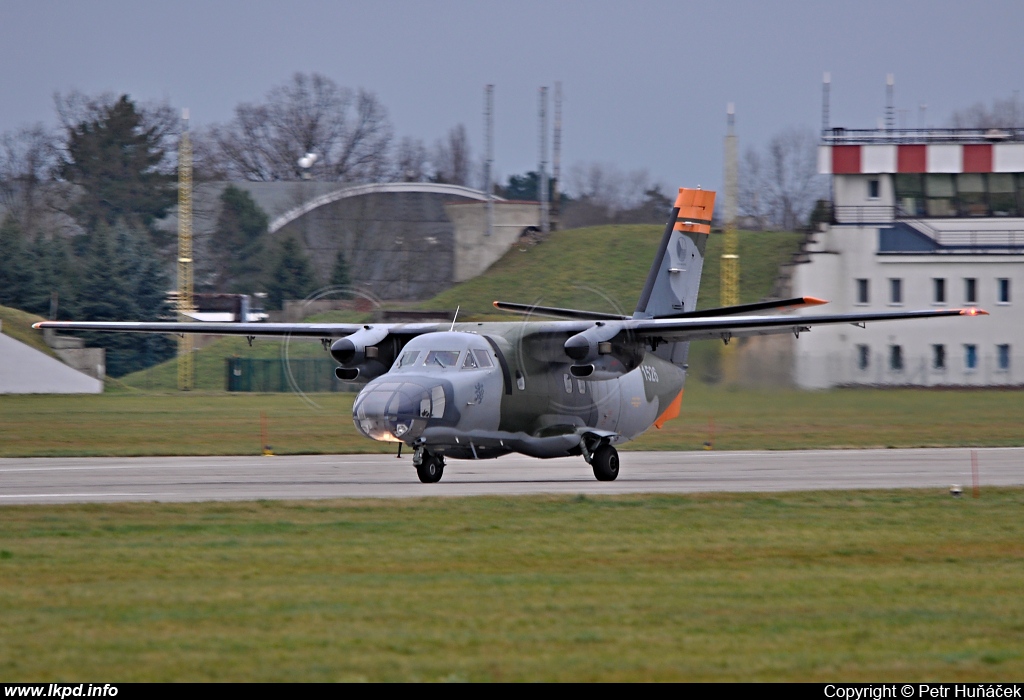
922	219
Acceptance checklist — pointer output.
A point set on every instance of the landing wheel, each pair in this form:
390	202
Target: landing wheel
430	469
605	463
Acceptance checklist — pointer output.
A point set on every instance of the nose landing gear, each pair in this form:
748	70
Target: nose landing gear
429	467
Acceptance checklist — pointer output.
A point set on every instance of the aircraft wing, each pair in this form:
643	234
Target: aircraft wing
726	327
252	330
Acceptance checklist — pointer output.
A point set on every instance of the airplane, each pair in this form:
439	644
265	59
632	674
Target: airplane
576	385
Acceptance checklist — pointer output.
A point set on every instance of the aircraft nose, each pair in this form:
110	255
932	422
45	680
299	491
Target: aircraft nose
393	411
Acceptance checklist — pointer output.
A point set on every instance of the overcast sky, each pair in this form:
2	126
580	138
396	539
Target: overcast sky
645	82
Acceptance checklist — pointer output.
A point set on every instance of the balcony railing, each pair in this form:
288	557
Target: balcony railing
839	136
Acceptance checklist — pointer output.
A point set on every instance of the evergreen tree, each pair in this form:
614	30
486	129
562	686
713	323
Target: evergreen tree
237	247
340	276
117	161
292	277
16	265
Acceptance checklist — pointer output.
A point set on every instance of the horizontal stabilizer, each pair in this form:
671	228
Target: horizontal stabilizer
793	303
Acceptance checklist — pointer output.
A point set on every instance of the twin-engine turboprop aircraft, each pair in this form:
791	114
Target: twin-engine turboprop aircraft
574	386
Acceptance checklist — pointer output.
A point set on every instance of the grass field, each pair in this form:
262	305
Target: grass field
142	423
871	586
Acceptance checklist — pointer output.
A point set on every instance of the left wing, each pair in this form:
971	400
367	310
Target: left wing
726	327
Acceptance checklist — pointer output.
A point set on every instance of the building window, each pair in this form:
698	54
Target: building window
863	357
1003	357
939	286
1004	290
895	291
970	290
938	357
874	191
896	358
862	291
970	357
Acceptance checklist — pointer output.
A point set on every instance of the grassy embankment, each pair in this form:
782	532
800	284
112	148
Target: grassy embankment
871	586
601	268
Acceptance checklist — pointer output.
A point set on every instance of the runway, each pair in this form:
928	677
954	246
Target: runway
102	479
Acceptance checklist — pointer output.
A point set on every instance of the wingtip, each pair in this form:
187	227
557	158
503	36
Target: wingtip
814	301
37	325
973	312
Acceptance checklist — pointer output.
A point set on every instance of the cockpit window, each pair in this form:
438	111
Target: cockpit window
482	358
408	358
477	359
442	358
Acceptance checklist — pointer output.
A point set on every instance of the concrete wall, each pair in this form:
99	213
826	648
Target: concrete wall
25	370
475	251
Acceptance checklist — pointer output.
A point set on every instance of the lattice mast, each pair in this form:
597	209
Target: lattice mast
730	258
186	369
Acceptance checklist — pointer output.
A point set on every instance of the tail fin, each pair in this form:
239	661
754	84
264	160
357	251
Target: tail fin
674	278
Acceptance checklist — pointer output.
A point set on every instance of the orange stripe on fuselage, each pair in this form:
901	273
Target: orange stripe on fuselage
671	412
696	206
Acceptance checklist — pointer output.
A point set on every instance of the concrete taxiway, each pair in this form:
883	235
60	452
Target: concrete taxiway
104	479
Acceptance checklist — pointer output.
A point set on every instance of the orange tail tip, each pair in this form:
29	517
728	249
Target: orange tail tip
696	208
672	411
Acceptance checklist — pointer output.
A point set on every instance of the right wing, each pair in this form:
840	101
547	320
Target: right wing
249	330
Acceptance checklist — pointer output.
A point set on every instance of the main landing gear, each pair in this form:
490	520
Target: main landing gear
429	467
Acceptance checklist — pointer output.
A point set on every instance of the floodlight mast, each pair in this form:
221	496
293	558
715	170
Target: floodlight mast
186	368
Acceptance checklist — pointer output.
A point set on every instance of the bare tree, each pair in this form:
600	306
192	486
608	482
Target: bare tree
411	161
27	159
782	184
606	185
348	130
751	199
1004	114
451	158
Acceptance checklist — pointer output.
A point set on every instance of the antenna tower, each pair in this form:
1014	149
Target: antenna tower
542	183
489	159
186	370
556	160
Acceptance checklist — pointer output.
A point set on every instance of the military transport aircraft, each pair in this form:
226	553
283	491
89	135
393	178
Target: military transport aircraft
578	385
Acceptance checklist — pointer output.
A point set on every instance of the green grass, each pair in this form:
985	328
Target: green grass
18	325
140	423
867	586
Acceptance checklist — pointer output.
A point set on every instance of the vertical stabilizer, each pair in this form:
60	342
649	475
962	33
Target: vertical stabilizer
674	279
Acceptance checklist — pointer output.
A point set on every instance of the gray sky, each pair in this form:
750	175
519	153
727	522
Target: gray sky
645	82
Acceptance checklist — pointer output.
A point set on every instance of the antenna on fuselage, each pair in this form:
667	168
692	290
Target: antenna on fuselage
455	317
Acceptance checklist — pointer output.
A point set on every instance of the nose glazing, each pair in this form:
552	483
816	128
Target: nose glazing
391	411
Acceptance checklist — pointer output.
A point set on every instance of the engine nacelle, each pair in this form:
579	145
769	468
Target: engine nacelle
359	347
363	372
587	346
603	368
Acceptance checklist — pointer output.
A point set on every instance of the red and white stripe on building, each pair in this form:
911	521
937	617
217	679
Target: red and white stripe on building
921	158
